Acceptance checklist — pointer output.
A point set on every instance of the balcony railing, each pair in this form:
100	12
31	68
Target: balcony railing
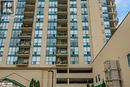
22	63
31	2
62	29
61	53
25	44
23	53
63	25
62	35
62	62
28	20
62	2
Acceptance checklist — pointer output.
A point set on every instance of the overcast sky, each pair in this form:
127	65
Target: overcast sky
123	7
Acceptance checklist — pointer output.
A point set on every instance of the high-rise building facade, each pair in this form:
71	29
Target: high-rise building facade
52	37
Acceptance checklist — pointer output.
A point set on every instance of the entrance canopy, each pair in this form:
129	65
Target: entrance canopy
10	81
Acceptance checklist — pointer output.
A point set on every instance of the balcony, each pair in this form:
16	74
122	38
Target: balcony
29	8
61	44
62	17
28	13
63	2
112	13
112	5
62	53
28	20
62	8
30	2
109	1
23	53
62	25
25	35
22	62
25	44
62	36
26	28
62	13
61	61
62	29
61	21
114	20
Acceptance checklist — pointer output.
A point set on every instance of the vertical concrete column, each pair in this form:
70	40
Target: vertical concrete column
69	58
54	78
46	79
44	32
51	78
96	27
8	37
33	33
80	33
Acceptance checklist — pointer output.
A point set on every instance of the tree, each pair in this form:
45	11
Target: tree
88	85
32	83
103	84
92	85
37	84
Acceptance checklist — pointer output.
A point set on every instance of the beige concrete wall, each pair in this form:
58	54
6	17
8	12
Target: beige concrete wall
96	26
116	49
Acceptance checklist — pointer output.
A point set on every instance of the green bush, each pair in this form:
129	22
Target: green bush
88	85
34	83
92	85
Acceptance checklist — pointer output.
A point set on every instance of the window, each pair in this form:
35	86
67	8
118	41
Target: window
15	40
74	32
38	33
128	56
3	33
106	19
85	29
51	33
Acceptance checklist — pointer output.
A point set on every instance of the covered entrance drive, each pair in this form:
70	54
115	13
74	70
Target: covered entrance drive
6	82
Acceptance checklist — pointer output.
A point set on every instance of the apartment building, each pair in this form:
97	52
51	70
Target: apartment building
53	41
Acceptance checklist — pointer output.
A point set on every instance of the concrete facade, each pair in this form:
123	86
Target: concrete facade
68	74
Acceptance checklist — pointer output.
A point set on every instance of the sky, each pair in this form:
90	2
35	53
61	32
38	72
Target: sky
123	7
